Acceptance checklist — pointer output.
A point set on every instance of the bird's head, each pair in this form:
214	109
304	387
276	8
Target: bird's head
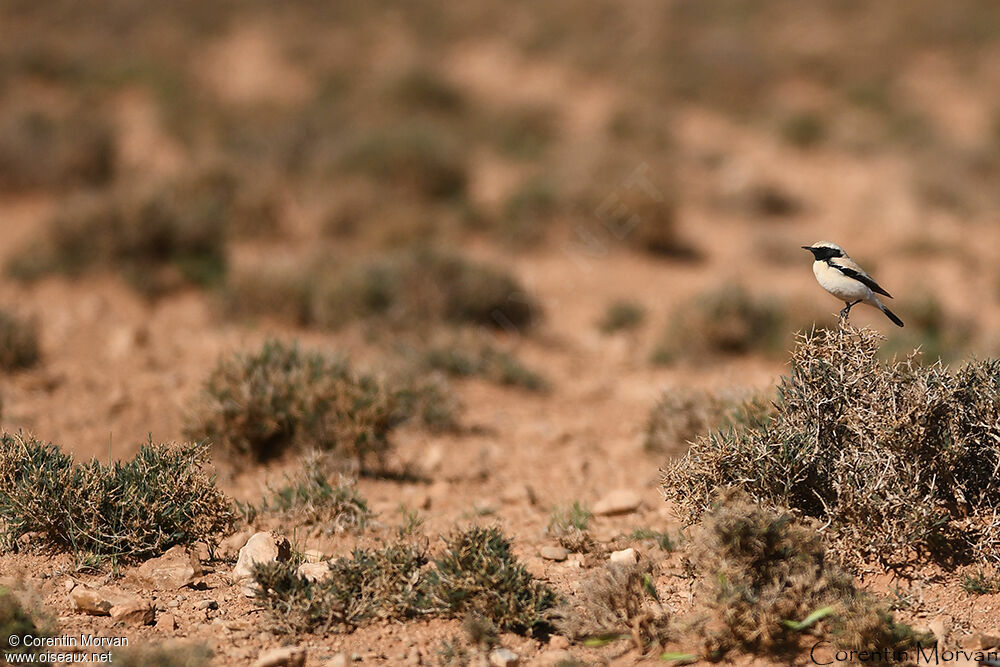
822	250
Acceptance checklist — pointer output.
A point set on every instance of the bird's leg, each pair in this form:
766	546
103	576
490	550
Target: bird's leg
846	312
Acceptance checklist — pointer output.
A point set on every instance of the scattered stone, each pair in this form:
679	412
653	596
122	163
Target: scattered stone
620	501
558	642
314	571
98	601
134	612
980	641
502	657
260	548
69	585
413	656
207	604
287	656
557	554
626	556
941	627
339	660
175	569
166	622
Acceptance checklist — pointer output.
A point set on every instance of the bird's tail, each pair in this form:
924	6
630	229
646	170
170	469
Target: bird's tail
888	313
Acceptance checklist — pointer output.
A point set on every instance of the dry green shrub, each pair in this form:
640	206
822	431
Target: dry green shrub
621	315
128	510
18	342
569	526
420	158
477	573
682	415
938	334
727	320
385	583
317	494
160	237
282	398
16	622
420	284
897	458
618	602
763	573
42	150
646	218
467	355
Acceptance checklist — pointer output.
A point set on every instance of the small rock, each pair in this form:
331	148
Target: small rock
558	642
980	641
135	612
502	657
413	656
69	585
557	554
314	571
99	601
620	501
287	656
941	627
339	660
166	622
207	604
626	556
260	548
175	569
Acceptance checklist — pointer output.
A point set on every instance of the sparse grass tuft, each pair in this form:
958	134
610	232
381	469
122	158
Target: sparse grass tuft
764	574
310	498
662	540
894	457
384	583
978	583
621	315
569	526
18	342
477	573
283	398
727	320
125	511
618	602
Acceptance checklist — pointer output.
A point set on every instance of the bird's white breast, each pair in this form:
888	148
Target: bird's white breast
836	283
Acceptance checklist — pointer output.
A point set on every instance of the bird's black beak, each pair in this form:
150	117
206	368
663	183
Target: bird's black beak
805	247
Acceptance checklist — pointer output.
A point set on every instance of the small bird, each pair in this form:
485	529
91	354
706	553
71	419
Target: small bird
839	275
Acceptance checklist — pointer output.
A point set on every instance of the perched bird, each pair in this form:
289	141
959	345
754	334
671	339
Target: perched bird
839	275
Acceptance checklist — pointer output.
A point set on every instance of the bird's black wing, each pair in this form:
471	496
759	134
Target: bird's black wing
861	278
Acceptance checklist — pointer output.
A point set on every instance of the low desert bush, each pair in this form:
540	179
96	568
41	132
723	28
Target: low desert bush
15	623
621	315
682	415
569	526
727	320
476	573
159	237
620	601
895	457
419	158
18	342
43	150
283	398
317	495
939	335
384	583
765	577
475	356
417	285
126	510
